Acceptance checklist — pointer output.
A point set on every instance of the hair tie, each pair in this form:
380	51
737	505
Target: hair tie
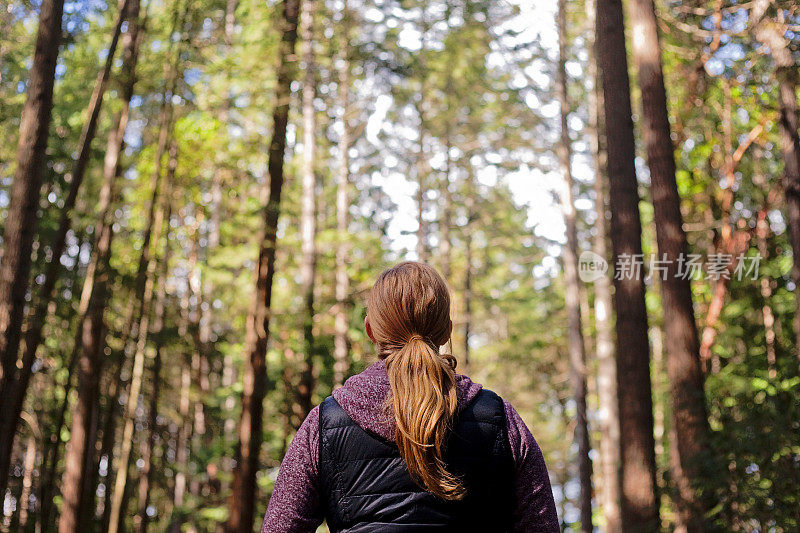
416	337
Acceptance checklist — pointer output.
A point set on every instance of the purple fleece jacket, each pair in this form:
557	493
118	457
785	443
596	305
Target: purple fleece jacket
296	505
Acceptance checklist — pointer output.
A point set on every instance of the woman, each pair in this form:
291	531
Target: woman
408	444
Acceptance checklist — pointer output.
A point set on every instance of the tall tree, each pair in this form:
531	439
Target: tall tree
142	520
112	170
608	412
637	452
471	214
84	415
340	350
575	342
689	417
308	216
22	218
243	493
421	162
33	336
23	204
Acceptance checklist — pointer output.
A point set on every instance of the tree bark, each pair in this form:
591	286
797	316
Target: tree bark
340	341
243	494
37	315
22	218
308	216
23	203
639	509
687	396
608	413
576	346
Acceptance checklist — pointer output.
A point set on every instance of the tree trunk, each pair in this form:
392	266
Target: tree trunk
84	415
468	271
608	413
103	232
446	215
243	494
23	203
141	521
18	384
340	343
638	469
22	219
687	396
577	348
147	265
446	218
423	251
308	216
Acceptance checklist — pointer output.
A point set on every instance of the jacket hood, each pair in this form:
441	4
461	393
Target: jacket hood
363	397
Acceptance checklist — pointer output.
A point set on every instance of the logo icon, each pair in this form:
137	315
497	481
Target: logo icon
591	266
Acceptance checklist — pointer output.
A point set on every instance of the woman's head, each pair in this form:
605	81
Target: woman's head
407	299
408	318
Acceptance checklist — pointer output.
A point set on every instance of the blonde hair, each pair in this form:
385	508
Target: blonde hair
409	314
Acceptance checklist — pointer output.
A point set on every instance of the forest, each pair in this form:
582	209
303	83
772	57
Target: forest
197	195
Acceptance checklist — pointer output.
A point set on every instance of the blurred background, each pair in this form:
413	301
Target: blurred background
198	194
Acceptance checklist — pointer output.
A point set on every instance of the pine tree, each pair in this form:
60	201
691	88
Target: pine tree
639	502
243	494
22	220
689	418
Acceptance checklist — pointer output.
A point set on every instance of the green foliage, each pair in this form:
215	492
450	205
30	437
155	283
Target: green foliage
443	98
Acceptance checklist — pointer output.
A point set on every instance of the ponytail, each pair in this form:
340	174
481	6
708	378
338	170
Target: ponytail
408	317
424	401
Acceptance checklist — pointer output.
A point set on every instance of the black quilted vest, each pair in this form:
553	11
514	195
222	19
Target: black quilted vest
366	487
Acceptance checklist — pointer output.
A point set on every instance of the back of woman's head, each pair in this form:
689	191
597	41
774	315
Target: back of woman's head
409	314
